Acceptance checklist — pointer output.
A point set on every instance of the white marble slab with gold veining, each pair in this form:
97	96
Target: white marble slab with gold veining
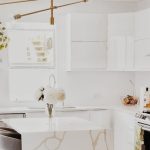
66	133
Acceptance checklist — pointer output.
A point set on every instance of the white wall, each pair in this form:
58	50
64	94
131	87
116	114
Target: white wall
141	79
143	4
97	88
82	88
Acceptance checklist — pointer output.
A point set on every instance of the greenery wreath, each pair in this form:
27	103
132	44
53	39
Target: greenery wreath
3	37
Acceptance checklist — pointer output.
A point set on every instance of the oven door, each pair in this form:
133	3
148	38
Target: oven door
142	137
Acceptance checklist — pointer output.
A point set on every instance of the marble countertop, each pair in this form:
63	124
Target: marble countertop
129	109
7	110
44	125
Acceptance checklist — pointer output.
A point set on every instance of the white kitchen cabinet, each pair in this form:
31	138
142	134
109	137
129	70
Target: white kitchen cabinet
124	128
142	40
142	54
86	42
87	56
31	45
120	24
142	24
88	27
120	54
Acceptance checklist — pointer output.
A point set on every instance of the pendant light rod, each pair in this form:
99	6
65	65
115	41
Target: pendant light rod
19	16
52	7
23	1
71	4
52	12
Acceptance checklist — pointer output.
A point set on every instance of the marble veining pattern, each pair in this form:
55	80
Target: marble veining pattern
60	133
59	138
54	136
96	139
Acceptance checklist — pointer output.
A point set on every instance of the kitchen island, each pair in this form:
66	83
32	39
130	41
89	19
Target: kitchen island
65	133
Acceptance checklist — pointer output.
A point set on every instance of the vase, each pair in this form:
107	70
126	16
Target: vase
50	110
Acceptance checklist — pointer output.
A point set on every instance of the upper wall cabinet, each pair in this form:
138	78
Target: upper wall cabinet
88	27
142	24
120	42
120	54
121	24
142	55
31	44
142	40
86	42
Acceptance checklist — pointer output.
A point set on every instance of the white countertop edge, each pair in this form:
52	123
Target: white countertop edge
55	124
11	110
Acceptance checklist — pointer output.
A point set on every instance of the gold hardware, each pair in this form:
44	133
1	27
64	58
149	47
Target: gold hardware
52	12
23	1
51	8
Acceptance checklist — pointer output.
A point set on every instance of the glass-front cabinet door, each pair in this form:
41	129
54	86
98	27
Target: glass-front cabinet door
31	45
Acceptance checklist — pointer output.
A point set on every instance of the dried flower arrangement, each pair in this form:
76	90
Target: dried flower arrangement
51	95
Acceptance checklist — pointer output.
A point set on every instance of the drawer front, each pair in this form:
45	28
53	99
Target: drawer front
88	54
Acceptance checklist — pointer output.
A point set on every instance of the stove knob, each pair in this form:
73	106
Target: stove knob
143	117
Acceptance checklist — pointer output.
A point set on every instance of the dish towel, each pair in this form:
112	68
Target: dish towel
139	139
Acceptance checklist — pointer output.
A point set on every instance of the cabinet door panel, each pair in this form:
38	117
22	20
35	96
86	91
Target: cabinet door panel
88	27
129	54
121	24
88	55
116	53
142	24
31	48
142	54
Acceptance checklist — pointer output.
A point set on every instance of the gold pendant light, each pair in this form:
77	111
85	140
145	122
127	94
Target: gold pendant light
15	2
51	8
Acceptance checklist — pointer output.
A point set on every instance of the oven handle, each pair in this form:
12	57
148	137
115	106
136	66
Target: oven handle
145	129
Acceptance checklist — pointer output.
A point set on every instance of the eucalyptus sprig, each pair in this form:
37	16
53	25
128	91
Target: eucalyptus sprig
3	37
